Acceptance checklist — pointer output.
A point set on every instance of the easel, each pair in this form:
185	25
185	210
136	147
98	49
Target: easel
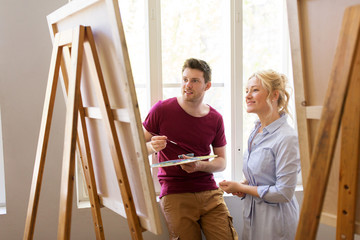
341	107
79	41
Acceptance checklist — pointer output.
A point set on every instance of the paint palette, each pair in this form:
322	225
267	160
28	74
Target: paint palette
181	161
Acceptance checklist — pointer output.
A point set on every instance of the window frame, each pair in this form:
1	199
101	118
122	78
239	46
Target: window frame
2	173
234	86
154	82
236	82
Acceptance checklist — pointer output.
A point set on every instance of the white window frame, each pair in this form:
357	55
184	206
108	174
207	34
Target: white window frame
2	174
82	194
154	56
236	83
234	86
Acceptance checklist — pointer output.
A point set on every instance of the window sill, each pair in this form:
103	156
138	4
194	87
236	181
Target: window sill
298	188
83	204
2	210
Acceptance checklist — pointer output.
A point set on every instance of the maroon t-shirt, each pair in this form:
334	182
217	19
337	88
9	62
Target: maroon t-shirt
193	135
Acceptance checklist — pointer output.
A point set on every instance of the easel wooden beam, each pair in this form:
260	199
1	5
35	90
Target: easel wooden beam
72	107
99	84
84	151
298	74
350	156
313	112
119	114
76	132
346	68
62	41
42	142
115	63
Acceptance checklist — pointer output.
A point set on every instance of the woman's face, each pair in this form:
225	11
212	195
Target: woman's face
255	97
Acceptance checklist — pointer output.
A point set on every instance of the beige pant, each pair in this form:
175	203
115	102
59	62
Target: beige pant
187	214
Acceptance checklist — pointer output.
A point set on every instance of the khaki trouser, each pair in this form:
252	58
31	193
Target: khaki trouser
187	214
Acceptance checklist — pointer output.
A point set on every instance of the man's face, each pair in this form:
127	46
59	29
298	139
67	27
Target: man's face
193	85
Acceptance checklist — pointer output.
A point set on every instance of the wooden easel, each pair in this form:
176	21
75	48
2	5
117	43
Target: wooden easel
341	108
80	42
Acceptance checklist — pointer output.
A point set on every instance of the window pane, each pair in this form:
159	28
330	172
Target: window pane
214	96
263	46
195	28
198	29
141	93
133	18
2	176
171	92
266	45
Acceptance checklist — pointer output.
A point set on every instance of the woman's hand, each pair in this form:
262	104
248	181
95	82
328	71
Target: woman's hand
235	188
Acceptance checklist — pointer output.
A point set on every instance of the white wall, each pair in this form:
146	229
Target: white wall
25	50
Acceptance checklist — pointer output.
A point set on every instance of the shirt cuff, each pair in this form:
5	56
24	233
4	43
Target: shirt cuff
262	190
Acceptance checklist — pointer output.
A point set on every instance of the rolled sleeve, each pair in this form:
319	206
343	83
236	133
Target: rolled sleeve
287	162
262	190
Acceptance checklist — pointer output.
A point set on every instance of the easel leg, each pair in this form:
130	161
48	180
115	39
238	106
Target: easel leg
350	157
99	85
74	116
86	162
43	140
68	168
328	129
86	159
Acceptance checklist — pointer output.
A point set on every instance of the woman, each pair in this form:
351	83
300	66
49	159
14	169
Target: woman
271	163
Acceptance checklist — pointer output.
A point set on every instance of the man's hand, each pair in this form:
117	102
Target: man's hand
190	167
157	143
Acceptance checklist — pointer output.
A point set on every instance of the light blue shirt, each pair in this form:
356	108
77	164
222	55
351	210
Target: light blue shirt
272	163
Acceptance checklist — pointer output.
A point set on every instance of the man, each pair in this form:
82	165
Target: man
189	198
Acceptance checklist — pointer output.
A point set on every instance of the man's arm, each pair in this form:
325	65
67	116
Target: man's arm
218	164
154	143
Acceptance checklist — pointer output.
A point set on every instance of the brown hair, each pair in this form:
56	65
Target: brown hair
198	64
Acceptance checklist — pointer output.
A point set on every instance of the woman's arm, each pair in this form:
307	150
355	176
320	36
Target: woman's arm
287	164
239	189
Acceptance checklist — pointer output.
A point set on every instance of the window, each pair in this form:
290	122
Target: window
82	194
236	38
266	44
133	19
187	30
2	175
170	39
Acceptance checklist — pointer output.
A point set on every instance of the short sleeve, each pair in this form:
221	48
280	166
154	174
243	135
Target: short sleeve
220	139
152	120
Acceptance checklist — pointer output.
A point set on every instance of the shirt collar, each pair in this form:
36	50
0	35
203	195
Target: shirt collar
272	127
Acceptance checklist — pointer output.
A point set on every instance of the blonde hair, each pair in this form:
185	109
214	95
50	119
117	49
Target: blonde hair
274	81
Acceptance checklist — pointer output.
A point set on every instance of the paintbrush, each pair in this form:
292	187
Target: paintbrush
177	144
166	139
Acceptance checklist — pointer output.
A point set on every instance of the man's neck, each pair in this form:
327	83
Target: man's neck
195	109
